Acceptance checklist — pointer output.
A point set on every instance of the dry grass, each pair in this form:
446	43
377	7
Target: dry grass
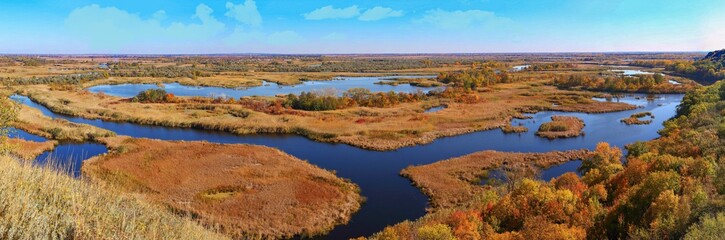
371	128
29	150
561	127
452	182
244	190
35	122
40	203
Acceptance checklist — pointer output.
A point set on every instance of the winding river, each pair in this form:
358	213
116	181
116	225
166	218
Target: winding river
390	197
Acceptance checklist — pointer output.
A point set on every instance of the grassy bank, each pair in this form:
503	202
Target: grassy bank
35	122
246	191
39	203
370	128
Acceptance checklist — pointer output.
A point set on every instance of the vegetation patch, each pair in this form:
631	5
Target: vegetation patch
514	129
561	127
636	119
248	191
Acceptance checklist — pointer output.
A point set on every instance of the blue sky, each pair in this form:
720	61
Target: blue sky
371	26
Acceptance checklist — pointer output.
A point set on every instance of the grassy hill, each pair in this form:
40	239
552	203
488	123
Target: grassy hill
40	203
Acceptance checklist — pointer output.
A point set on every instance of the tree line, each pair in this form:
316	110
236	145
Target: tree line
645	83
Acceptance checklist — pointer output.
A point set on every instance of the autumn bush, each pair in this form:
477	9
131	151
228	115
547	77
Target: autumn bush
153	96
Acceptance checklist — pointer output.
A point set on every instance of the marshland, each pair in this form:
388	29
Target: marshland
366	138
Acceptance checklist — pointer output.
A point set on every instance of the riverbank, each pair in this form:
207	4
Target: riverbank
244	190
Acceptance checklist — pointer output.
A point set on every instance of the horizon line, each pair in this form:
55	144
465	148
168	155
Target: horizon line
345	54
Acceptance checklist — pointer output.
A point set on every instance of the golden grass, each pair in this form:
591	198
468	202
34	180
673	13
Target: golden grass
561	127
29	150
40	203
370	128
246	191
452	182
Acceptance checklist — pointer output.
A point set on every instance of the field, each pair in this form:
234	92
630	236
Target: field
244	191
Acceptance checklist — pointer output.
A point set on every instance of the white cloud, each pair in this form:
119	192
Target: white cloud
461	19
330	12
378	13
110	28
246	13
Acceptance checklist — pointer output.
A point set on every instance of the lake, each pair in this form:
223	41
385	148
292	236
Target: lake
338	86
390	197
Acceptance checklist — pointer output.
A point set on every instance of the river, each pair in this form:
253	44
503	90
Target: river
390	197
